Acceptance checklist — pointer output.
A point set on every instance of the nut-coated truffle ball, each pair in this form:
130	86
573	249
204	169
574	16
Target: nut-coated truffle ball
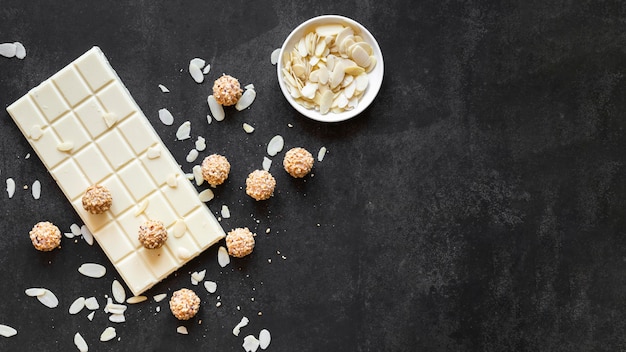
260	185
240	242
226	90
152	234
184	304
97	199
298	162
45	236
215	169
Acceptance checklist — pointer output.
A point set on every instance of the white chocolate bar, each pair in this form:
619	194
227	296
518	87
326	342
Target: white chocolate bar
87	129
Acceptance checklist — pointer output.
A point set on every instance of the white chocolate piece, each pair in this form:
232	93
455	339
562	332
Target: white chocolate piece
73	105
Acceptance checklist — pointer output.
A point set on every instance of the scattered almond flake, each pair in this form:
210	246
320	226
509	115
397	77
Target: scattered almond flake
211	286
189	176
321	154
182	330
179	228
75	230
247	98
183	253
244	321
35	291
36	132
184	131
206	195
36	190
48	299
200	144
87	236
192	156
196	73
20	50
77	305
136	299
65	146
222	257
90	316
250	343
275	145
274	56
172	180
249	86
217	110
8	49
110	118
80	343
91	303
119	294
267	163
198	62
68	234
199	275
158	298
117	318
163	88
166	117
7	331
207	69
108	305
209	119
197	175
153	152
142	207
108	334
115	308
248	128
264	338
10	187
225	211
92	270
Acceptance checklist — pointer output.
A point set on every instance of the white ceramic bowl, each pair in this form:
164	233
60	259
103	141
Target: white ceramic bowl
375	76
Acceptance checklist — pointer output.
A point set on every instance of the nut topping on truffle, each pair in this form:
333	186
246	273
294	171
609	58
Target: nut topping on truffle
226	90
260	185
152	234
215	169
184	304
97	199
45	236
298	162
240	242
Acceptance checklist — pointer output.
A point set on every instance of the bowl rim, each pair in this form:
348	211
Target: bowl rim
372	89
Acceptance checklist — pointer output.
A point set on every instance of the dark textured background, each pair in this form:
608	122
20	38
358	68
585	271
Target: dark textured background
477	205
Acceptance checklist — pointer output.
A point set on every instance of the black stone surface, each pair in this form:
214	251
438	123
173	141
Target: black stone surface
477	205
